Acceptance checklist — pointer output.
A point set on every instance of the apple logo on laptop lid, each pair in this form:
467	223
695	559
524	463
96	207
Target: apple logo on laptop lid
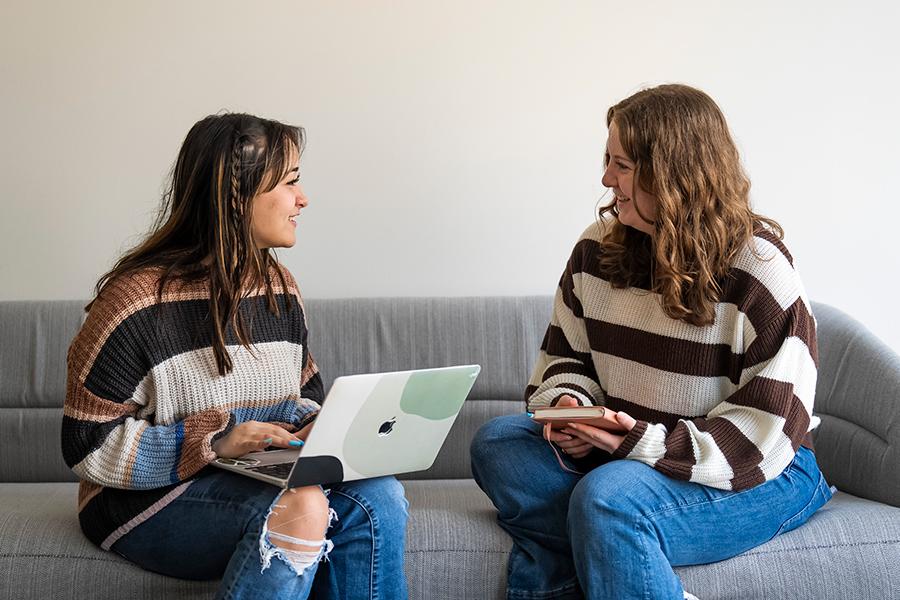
387	427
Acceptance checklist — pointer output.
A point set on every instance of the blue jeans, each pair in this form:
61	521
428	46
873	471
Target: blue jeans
213	529
617	531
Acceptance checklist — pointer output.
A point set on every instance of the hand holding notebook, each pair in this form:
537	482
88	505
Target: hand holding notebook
596	416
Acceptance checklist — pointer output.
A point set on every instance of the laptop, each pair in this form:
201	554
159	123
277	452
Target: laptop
369	425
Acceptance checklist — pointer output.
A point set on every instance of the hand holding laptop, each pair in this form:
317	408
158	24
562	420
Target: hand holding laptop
369	425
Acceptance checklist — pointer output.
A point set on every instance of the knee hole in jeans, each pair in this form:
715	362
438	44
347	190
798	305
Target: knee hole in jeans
294	529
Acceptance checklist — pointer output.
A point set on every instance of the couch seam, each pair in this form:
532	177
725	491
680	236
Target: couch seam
504	552
23	555
747	555
75	556
829	546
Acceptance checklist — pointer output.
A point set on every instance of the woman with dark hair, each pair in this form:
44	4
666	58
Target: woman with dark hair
680	309
195	347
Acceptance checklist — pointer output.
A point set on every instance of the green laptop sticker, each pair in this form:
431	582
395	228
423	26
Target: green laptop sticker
427	394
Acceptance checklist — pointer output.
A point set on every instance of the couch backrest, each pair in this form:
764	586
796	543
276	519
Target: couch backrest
346	336
502	334
34	338
857	396
858	400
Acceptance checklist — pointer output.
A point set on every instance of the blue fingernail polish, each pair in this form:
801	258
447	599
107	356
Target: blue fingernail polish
530	414
296	442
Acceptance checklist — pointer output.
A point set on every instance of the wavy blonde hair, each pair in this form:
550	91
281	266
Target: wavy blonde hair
684	156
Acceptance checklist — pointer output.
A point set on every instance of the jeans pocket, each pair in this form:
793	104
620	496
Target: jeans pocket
821	494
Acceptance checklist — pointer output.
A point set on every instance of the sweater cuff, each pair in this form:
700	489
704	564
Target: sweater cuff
579	397
223	432
631	440
196	449
307	418
552	396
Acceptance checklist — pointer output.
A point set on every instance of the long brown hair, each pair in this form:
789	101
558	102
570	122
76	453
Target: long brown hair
684	156
203	227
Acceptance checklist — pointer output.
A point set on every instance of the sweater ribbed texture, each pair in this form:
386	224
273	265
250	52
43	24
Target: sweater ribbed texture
145	401
726	405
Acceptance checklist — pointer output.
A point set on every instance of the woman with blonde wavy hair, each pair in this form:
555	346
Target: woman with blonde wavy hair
681	312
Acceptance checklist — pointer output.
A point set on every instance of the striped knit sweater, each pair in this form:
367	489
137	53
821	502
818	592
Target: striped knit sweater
144	400
725	405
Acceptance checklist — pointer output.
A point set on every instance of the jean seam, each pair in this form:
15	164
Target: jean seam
524	593
373	526
543	593
224	504
816	493
644	561
512	592
682	505
639	520
229	592
568	587
689	504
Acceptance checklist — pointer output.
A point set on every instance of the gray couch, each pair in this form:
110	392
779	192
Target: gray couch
850	549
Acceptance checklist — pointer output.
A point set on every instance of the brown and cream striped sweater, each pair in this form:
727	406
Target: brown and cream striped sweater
725	405
145	401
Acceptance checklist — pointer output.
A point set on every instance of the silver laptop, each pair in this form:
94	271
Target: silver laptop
369	426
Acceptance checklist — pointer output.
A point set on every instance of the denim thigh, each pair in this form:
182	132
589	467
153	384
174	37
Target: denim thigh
697	524
195	535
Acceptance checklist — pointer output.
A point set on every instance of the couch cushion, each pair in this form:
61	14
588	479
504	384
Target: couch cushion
849	549
31	443
455	549
31	450
36	337
43	553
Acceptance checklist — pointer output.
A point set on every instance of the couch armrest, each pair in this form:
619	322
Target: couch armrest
858	400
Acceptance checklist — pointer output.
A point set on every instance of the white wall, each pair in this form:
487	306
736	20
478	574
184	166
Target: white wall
454	147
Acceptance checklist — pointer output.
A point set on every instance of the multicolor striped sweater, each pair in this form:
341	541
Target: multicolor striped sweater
725	405
145	401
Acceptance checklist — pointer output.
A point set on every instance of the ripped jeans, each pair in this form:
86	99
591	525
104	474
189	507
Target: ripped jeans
214	529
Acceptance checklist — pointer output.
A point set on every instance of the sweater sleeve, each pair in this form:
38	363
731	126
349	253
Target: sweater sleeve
108	432
754	433
564	365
